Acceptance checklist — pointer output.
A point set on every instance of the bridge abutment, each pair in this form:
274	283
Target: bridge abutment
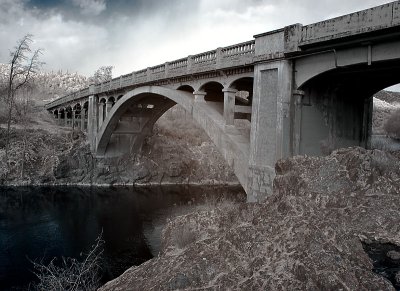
270	125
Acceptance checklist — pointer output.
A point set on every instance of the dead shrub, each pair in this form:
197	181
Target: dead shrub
71	274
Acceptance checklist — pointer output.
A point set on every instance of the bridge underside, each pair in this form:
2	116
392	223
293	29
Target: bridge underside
336	106
134	125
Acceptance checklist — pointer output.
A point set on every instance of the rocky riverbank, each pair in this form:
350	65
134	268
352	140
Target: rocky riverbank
178	152
327	218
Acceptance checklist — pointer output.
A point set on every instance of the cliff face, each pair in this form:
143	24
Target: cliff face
327	216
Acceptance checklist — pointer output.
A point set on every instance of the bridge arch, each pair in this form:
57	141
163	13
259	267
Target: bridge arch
213	90
132	119
132	103
336	105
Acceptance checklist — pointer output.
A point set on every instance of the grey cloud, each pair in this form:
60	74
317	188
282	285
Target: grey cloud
135	34
90	7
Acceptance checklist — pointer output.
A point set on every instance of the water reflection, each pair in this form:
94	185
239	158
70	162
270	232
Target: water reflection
46	222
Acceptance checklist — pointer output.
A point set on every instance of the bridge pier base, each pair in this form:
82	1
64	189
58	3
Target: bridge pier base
270	125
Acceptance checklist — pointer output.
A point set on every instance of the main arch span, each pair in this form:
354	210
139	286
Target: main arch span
132	117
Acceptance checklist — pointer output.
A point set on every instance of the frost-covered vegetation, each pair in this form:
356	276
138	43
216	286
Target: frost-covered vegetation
47	86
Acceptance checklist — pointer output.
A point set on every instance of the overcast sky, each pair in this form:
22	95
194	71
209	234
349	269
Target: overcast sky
82	35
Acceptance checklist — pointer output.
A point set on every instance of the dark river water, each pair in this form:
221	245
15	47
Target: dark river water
46	222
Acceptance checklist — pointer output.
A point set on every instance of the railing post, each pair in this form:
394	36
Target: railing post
189	64
148	75
133	78
219	56
166	70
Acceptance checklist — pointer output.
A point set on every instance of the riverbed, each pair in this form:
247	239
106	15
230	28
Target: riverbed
40	223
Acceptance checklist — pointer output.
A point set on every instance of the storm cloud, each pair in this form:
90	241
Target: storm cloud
82	35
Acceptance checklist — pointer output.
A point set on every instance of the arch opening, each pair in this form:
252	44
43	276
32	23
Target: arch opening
186	88
243	104
215	95
385	134
102	110
336	109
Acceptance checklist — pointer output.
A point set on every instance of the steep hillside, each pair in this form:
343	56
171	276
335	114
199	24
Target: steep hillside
388	96
47	86
381	112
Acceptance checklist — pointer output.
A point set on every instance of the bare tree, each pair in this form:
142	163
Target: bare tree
102	74
23	65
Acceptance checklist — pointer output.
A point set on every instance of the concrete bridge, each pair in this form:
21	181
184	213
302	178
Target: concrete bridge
296	90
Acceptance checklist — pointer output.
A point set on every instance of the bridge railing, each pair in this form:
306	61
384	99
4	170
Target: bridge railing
241	49
234	55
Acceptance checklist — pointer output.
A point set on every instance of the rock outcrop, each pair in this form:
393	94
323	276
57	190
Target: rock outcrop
318	231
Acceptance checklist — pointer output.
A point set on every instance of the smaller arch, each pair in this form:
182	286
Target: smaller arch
111	99
214	95
119	97
214	91
102	110
244	87
68	111
186	88
77	107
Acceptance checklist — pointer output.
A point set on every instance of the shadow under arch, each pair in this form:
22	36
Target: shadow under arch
131	103
186	88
